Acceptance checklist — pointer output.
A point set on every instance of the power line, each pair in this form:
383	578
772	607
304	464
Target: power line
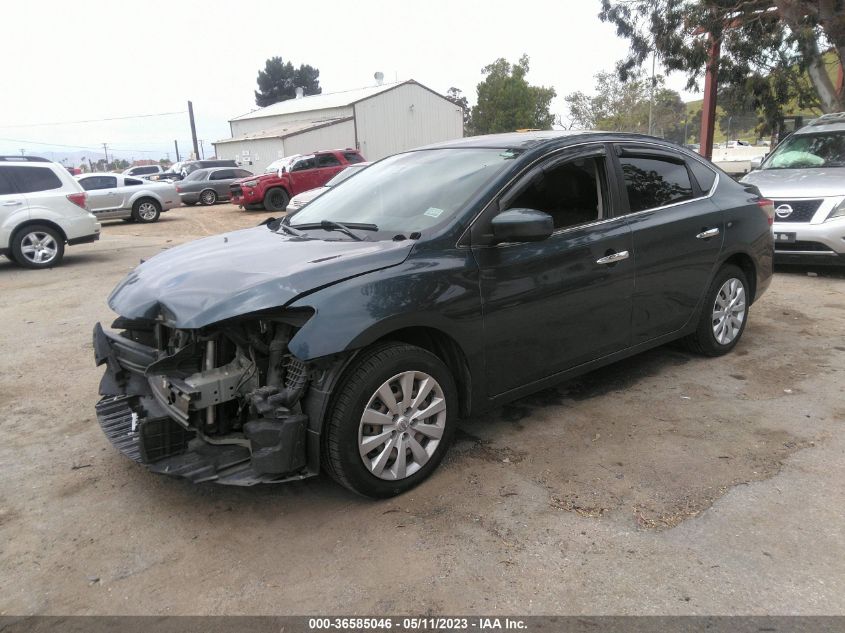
114	118
88	147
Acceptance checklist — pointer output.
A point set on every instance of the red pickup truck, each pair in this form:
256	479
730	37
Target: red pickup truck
290	176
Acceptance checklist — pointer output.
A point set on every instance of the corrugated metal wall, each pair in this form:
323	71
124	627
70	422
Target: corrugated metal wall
260	152
334	136
250	126
403	118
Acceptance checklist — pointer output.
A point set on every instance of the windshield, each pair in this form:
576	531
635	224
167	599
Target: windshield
346	173
409	192
823	149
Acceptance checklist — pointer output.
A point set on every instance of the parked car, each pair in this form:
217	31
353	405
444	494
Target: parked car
143	171
42	208
113	196
351	335
190	166
207	186
289	177
805	177
300	200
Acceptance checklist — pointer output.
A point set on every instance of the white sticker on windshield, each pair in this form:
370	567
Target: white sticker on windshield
433	212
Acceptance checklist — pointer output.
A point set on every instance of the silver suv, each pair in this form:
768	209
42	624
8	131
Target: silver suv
805	177
42	208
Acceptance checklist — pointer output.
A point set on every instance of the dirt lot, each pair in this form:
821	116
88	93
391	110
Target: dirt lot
665	484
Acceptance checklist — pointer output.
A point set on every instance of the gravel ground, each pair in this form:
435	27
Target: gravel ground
665	484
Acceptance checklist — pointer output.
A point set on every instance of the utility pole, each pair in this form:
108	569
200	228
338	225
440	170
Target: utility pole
23	151
193	128
176	145
106	152
708	109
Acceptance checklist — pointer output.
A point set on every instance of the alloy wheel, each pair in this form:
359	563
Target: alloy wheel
402	425
39	247
729	311
208	197
147	211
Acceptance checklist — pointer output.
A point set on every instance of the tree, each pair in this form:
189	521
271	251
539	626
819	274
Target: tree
279	81
456	96
771	50
507	102
624	106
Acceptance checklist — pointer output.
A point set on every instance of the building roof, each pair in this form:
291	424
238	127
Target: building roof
284	131
320	101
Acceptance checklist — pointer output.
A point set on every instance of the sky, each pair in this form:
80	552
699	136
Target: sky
85	60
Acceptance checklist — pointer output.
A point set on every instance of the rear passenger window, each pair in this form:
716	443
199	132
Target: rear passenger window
353	157
327	160
704	175
131	182
6	185
653	182
32	179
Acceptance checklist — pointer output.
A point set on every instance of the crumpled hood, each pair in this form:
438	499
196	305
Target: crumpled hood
814	182
236	273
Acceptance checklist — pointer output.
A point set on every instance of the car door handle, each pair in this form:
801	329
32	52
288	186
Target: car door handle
613	258
704	235
14	203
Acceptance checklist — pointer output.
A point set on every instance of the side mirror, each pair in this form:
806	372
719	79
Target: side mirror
522	225
756	163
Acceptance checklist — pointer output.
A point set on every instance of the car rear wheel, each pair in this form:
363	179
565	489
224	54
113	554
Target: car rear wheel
146	210
208	197
724	315
38	246
276	200
391	421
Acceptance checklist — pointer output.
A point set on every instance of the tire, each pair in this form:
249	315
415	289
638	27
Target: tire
276	199
208	197
146	210
378	472
722	322
38	246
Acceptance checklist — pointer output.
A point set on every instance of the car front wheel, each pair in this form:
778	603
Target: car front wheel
724	315
276	200
391	420
38	246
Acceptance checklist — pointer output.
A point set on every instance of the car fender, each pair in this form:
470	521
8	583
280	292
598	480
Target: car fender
440	294
144	193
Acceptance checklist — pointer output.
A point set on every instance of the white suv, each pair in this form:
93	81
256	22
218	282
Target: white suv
42	208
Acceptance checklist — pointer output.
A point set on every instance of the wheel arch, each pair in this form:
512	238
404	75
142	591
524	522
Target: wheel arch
746	264
146	196
38	222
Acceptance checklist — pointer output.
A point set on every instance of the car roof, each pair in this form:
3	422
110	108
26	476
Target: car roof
537	139
832	122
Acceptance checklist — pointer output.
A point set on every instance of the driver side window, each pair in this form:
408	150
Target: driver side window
573	192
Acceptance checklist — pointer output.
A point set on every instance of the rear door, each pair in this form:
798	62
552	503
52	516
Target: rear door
552	305
328	165
220	179
13	205
677	234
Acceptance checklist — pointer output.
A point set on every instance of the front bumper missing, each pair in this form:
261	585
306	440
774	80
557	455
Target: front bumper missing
146	430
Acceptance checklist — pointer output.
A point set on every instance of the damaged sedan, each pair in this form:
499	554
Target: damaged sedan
350	336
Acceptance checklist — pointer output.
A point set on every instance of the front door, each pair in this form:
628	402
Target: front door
552	305
677	234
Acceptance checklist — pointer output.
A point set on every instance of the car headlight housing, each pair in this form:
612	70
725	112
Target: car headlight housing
838	211
250	183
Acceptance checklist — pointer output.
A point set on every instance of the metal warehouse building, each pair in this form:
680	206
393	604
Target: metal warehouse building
378	120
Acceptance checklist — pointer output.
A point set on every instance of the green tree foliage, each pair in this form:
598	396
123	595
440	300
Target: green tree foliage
623	106
279	81
456	96
772	51
507	102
